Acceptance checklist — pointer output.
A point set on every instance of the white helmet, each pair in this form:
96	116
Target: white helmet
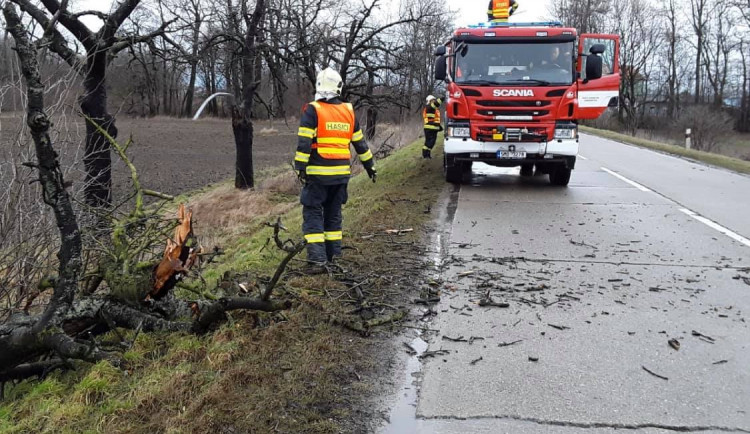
430	98
328	83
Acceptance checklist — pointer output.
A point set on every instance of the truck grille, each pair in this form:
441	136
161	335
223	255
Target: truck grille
496	103
485	133
513	112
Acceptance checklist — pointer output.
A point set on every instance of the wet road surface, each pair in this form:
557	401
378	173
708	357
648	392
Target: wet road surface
641	249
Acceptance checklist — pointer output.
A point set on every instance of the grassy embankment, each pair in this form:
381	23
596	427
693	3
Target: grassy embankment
730	163
294	371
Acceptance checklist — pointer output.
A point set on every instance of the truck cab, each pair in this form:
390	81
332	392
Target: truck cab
515	93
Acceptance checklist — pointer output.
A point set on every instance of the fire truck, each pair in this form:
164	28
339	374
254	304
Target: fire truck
515	93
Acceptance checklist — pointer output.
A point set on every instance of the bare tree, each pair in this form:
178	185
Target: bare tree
245	55
639	29
700	11
670	9
720	42
586	16
100	47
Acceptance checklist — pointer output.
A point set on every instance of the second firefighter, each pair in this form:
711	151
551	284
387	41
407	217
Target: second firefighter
431	117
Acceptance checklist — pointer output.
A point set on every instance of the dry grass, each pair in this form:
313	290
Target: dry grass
285	183
226	212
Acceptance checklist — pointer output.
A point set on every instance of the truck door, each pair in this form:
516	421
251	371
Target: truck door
595	95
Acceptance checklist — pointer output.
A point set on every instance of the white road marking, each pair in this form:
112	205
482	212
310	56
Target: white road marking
633	183
582	157
733	235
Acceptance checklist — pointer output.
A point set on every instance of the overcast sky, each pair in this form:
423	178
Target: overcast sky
469	11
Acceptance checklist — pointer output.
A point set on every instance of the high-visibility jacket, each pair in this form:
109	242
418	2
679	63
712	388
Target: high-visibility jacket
500	10
431	115
326	130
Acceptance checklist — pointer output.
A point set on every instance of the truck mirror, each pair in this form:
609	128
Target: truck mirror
441	68
593	67
598	49
440	51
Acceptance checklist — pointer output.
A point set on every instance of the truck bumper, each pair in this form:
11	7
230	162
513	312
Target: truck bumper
455	145
552	152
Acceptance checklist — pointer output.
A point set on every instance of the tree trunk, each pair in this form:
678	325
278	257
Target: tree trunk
672	78
187	111
242	112
743	122
98	158
372	111
242	127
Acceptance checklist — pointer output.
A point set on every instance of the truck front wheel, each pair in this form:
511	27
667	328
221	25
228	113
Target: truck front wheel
560	176
454	170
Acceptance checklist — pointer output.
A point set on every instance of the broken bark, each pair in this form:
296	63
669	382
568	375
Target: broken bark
180	255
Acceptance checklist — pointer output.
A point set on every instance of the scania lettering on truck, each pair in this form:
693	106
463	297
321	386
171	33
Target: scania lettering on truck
516	92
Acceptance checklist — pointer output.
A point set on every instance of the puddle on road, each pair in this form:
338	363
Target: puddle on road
403	415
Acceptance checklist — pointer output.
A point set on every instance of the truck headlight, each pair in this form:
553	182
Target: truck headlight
565	133
459	131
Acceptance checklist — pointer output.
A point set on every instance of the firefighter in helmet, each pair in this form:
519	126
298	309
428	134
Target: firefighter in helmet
327	128
498	11
431	117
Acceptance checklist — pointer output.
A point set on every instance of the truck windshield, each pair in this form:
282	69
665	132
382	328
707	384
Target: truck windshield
538	64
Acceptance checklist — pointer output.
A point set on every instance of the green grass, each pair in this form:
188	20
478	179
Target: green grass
293	371
730	163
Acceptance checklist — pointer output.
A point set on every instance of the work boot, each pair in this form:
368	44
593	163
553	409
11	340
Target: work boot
315	268
426	154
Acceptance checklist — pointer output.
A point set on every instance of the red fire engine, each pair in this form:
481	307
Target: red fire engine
516	91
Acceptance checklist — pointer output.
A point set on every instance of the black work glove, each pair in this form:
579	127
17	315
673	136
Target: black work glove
440	128
302	175
372	173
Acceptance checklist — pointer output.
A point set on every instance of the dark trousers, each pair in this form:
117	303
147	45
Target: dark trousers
430	136
321	219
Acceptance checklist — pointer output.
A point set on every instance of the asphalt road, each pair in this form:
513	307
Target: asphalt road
640	249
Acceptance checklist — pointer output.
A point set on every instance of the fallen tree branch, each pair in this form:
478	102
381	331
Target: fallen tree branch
26	370
280	270
364	327
215	311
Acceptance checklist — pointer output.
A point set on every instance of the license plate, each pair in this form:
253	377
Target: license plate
511	154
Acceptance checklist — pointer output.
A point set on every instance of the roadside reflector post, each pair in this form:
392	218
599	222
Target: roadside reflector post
688	131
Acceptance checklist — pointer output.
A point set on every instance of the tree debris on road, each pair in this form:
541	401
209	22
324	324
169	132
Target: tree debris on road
435	353
488	302
507	344
654	373
704	338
